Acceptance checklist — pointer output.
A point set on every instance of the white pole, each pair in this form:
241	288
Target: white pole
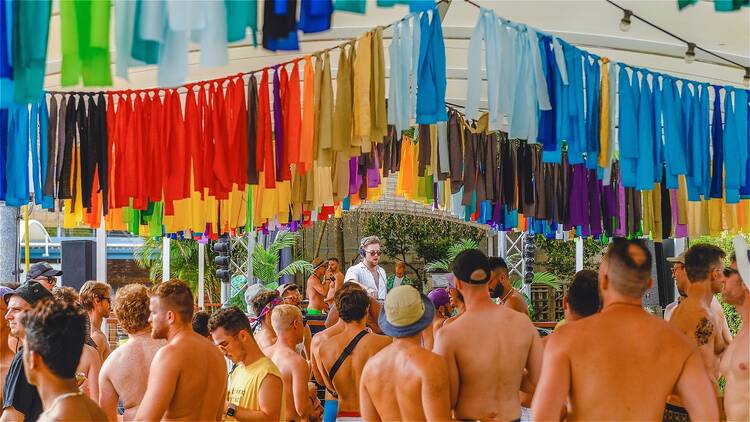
101	253
165	258
579	253
501	244
680	246
201	274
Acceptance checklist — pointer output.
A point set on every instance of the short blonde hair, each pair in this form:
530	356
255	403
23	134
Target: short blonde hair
92	290
283	316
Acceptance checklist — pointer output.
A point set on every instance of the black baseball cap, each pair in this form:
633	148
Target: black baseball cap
471	266
31	291
42	269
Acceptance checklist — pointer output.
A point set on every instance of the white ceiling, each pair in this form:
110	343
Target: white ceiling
591	24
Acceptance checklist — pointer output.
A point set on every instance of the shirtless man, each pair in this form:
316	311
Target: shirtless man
6	354
255	391
263	304
443	310
289	326
96	301
405	381
682	283
124	375
335	277
483	386
90	364
734	363
621	363
187	379
500	285
343	385
317	288
694	316
54	336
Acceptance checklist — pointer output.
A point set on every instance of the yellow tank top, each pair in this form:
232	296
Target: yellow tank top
244	385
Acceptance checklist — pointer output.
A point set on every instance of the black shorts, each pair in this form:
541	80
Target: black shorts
674	413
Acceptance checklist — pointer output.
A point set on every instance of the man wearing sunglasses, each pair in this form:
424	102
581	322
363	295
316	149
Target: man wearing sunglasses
368	273
44	274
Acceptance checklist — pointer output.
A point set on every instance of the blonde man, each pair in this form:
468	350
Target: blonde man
368	273
124	375
290	328
96	301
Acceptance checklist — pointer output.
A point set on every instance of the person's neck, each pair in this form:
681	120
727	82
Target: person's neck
144	333
252	352
176	330
476	297
286	339
413	341
51	387
507	287
744	310
96	320
355	325
613	299
370	266
701	290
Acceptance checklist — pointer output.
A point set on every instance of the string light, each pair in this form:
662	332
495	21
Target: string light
625	21
690	53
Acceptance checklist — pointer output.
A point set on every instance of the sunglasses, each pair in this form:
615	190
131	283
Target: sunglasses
374	253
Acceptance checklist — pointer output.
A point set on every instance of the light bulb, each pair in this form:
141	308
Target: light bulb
625	21
690	53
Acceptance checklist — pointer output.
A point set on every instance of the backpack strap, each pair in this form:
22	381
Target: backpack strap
344	354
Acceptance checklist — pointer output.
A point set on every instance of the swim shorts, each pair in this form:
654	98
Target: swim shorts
674	413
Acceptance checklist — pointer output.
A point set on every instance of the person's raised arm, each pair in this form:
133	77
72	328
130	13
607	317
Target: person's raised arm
444	349
108	396
436	393
269	401
696	390
554	384
162	382
318	286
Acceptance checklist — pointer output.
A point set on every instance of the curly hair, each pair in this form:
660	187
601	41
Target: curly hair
55	331
200	323
262	299
131	307
66	294
352	304
177	296
231	319
91	291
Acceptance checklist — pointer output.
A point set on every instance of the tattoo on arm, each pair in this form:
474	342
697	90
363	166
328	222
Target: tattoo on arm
704	331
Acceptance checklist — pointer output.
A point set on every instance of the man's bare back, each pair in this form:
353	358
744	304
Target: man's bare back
487	350
73	408
402	381
189	376
735	366
702	326
346	380
620	364
290	363
124	375
320	340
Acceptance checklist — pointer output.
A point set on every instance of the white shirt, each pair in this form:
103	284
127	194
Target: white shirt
361	274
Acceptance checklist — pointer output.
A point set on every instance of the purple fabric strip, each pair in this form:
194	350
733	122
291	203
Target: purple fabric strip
354	178
278	125
680	230
623	221
579	197
373	172
595	199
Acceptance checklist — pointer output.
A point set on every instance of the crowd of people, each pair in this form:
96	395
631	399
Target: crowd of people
388	351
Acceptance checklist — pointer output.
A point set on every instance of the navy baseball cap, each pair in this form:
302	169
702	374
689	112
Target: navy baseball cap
42	269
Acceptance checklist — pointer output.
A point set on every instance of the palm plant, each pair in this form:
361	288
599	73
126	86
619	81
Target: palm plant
266	261
543	278
443	265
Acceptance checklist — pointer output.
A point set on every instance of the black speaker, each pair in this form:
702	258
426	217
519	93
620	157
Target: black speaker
78	262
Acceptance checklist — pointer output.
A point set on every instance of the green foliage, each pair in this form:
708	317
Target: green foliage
266	260
183	264
428	238
456	248
560	256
